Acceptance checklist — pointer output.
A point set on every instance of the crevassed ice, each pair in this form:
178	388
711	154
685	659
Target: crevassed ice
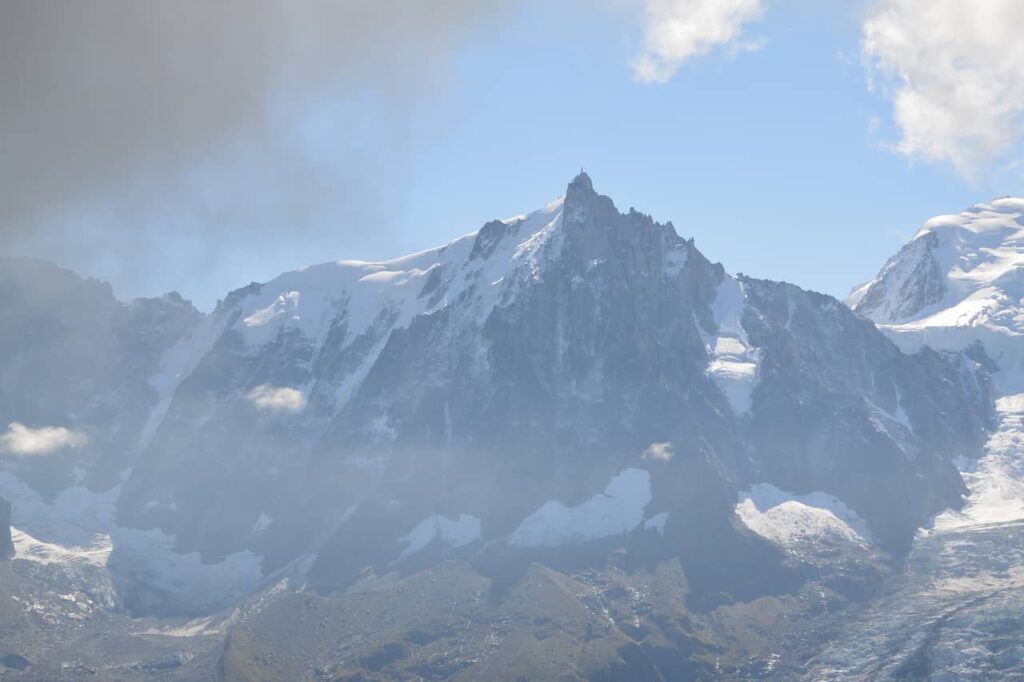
996	482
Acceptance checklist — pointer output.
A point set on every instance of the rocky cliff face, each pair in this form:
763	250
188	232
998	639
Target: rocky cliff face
840	409
6	544
75	358
555	387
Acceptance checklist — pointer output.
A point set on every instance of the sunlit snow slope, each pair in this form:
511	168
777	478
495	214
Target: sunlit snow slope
959	283
955	613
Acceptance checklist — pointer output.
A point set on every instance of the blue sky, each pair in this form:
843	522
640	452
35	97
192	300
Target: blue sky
776	161
770	149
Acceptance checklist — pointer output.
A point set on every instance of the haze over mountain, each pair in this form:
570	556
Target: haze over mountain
567	441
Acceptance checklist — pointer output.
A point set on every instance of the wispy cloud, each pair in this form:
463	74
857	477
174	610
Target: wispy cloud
23	440
955	73
276	398
659	452
676	31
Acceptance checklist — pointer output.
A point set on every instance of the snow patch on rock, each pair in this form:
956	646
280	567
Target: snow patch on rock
732	361
79	527
617	510
675	260
452	532
791	520
657	522
262	523
31	549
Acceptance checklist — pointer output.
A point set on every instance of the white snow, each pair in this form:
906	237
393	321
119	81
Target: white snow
887	422
980	254
732	360
29	548
285	305
657	522
78	527
383	296
363	297
452	532
617	510
262	522
675	260
791	521
996	482
192	628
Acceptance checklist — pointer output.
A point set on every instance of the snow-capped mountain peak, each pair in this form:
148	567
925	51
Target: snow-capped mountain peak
959	281
311	299
963	266
360	414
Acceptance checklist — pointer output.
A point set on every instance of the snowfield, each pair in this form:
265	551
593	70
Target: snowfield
617	510
794	521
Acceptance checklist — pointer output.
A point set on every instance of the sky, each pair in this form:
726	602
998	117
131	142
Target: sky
197	150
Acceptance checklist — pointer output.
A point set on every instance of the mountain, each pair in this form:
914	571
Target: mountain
567	403
76	357
960	281
348	404
957	285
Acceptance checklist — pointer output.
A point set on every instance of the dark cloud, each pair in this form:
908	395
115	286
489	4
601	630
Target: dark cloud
207	125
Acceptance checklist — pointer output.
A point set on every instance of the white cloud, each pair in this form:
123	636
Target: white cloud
955	72
24	440
276	398
678	30
659	452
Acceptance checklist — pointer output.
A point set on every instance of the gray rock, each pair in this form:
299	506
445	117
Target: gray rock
526	366
6	544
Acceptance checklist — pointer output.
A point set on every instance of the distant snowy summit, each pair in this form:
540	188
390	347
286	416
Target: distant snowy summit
960	280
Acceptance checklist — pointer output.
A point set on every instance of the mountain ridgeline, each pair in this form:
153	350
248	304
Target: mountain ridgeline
553	388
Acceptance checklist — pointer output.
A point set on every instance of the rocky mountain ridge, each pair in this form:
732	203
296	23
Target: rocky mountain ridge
570	398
